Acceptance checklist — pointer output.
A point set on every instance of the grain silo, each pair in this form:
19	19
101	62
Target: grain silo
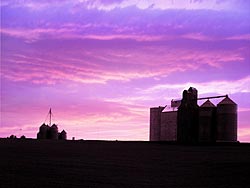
53	132
43	130
168	126
155	123
63	135
188	117
227	120
207	122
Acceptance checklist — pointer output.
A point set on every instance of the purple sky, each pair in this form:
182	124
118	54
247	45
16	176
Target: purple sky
101	64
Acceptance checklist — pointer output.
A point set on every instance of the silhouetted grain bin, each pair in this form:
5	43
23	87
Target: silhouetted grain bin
188	117
207	122
168	126
43	131
63	135
155	123
53	132
227	120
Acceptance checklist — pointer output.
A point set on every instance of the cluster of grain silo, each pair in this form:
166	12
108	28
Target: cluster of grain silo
51	132
192	123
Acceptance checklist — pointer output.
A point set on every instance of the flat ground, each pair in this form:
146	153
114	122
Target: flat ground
45	163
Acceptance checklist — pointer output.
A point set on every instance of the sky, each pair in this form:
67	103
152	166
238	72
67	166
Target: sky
101	64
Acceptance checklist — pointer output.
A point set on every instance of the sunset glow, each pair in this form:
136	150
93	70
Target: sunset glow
101	64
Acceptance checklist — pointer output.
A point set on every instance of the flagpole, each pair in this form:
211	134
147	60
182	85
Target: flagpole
50	117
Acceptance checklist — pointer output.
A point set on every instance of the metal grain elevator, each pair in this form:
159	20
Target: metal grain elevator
188	117
192	123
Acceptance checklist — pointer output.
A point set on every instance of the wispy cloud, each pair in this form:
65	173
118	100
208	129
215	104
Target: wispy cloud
32	35
106	65
127	20
218	86
140	4
239	37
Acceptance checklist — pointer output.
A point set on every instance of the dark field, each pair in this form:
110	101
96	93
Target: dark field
44	163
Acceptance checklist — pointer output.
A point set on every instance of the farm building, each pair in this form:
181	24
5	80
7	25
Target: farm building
51	132
192	123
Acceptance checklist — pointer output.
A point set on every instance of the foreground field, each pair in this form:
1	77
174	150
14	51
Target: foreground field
34	163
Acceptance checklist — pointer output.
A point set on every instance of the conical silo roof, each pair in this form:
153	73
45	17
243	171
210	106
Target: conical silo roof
54	126
208	103
227	100
43	127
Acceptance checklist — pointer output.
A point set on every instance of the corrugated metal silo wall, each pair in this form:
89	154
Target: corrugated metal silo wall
227	122
168	126
54	135
207	124
42	134
64	137
188	124
155	120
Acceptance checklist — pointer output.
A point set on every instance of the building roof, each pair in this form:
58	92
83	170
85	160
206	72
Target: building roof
227	100
208	103
43	125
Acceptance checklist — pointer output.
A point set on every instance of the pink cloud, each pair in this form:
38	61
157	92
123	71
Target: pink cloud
216	86
38	69
158	4
244	134
239	37
198	36
32	35
111	5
